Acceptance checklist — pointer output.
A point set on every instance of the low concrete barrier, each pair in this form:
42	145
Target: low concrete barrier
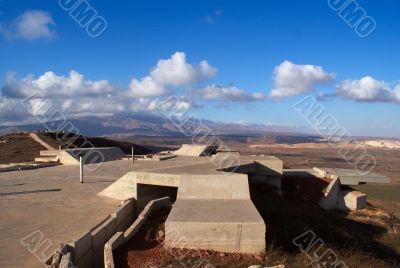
121	238
88	249
336	198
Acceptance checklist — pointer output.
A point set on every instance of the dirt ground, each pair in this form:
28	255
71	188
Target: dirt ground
314	155
18	148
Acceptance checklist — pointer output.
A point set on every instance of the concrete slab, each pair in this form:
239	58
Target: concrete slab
52	202
352	177
352	200
196	150
331	195
212	187
215	212
220	225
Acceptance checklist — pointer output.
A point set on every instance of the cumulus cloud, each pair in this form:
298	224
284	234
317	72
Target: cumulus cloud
146	87
368	89
144	104
50	85
31	25
73	95
234	94
293	79
171	72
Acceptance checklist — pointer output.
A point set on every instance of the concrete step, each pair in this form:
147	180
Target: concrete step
47	159
215	212
49	153
220	225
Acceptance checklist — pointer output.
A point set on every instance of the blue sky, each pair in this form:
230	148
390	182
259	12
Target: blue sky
232	61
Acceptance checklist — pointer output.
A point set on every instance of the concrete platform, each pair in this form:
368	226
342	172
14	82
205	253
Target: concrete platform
215	212
52	202
169	173
196	150
351	176
70	157
220	225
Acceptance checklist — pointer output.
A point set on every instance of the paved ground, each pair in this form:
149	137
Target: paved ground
52	201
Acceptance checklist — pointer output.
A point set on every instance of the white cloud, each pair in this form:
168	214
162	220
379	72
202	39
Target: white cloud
144	104
31	25
50	85
90	106
217	92
294	79
368	89
171	72
72	95
146	87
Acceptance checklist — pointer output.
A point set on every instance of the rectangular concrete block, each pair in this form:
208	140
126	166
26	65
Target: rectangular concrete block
99	238
116	240
111	227
224	186
86	261
352	200
330	198
81	246
134	228
221	225
108	257
270	166
124	213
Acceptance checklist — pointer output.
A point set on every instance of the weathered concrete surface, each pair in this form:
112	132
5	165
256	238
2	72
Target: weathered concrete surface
54	203
169	173
127	186
214	187
221	225
70	157
352	200
215	212
351	176
331	195
195	150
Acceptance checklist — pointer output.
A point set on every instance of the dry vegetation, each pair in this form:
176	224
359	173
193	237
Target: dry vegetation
367	238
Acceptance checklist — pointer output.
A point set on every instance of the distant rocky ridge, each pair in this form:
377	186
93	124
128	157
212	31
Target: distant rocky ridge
149	125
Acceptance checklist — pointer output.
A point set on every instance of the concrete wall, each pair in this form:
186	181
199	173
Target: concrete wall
335	198
94	248
195	150
121	237
352	200
268	171
331	195
88	249
127	186
225	186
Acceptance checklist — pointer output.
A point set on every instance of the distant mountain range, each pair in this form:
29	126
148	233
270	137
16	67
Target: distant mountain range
150	125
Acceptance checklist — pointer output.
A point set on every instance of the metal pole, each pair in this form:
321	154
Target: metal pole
133	154
81	168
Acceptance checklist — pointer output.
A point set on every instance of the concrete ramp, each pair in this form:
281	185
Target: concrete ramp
127	186
195	150
70	157
351	176
215	213
36	138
